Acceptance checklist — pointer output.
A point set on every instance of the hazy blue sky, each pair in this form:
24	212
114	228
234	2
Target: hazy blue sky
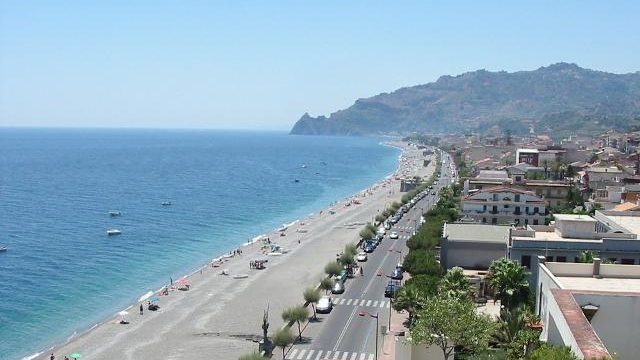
244	64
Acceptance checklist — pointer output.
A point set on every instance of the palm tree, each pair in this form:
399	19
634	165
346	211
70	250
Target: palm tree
326	284
296	314
252	356
283	338
312	296
454	283
509	280
351	249
511	322
410	299
333	268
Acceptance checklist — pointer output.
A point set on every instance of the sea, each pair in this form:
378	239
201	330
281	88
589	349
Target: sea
62	274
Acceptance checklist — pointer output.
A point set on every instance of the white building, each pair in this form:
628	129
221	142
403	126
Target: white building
472	246
504	205
593	308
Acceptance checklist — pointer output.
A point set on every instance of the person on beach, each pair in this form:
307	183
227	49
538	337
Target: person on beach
141	309
52	357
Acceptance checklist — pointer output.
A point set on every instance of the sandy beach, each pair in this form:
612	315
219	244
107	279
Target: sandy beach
219	317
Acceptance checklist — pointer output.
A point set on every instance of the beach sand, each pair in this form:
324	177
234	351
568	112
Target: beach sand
220	316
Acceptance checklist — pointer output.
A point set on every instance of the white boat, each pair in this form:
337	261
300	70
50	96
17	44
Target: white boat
112	232
3	248
114	213
166	203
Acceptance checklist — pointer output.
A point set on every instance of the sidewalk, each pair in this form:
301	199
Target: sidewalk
388	351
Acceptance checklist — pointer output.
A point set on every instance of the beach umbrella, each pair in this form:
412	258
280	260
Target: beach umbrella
75	356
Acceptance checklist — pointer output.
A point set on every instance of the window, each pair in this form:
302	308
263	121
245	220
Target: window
627	261
495	197
516	198
535	221
561	259
525	260
484	220
518	178
549	258
576	259
526	221
506	206
494	220
559	191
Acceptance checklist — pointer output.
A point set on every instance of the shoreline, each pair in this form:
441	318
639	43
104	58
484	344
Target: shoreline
223	258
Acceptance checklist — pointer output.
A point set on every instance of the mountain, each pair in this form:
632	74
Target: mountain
559	98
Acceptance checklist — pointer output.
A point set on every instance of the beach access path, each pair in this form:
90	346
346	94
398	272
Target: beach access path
220	316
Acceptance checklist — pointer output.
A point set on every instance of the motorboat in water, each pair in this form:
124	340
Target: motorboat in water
166	203
112	232
3	248
114	213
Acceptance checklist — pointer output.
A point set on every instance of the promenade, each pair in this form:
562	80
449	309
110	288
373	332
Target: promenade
220	316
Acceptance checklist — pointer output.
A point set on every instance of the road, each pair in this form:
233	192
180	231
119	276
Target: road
349	331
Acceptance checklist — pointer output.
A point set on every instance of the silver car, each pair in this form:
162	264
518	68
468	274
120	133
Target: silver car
338	288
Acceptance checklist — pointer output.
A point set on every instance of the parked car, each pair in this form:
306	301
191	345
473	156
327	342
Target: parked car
324	305
338	287
368	249
394	235
397	274
392	288
387	226
433	193
361	256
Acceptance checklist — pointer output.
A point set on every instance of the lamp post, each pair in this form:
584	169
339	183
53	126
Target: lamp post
364	313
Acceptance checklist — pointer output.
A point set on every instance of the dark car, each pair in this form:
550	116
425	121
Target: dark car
392	288
397	274
368	249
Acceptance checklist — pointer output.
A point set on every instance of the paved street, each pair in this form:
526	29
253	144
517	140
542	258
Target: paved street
349	331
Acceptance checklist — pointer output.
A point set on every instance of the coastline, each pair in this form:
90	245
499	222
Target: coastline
228	260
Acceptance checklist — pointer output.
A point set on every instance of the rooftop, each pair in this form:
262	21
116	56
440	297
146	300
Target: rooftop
573	217
616	285
477	232
612	278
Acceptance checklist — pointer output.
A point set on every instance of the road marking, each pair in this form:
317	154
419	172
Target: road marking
335	355
293	353
353	356
368	303
319	354
341	302
349	301
375	303
344	356
388	305
382	303
301	354
362	356
370	356
310	354
362	302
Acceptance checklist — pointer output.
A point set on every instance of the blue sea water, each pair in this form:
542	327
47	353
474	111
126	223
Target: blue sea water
62	273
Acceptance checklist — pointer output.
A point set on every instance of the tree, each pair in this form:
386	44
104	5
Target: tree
525	342
448	322
326	284
552	352
333	268
346	259
510	281
587	256
410	299
421	262
455	284
367	234
312	296
351	249
283	338
427	285
252	356
296	314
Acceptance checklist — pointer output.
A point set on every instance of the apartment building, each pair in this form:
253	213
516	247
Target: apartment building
504	205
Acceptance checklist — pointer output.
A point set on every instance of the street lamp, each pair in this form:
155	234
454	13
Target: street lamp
365	313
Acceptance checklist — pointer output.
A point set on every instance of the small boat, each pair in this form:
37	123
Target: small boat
3	248
166	203
114	213
112	232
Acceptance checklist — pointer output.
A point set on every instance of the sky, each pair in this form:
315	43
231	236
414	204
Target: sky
262	64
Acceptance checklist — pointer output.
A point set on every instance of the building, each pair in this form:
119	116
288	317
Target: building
611	235
504	205
539	157
554	192
592	308
472	246
599	177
